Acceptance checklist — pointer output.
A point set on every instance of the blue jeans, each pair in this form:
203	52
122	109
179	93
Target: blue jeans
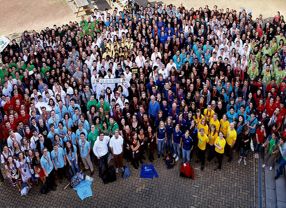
186	155
282	164
260	150
168	145
176	149
160	146
74	167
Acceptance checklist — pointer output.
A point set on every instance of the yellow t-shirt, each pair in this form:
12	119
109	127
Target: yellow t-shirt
212	137
224	125
198	120
202	141
221	143
215	123
205	127
208	114
231	136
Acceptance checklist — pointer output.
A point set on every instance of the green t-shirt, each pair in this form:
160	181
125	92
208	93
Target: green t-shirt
92	136
106	106
31	67
45	69
3	73
13	65
113	127
91	103
271	146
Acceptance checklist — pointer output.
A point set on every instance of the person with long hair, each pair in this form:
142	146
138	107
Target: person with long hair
24	169
177	139
219	149
244	145
203	139
135	145
72	158
161	138
48	168
151	143
187	145
12	173
36	164
230	141
212	137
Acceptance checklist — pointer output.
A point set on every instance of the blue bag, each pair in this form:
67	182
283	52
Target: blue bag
126	172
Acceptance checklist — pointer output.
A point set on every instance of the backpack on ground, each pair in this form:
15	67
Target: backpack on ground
44	189
76	179
109	175
187	171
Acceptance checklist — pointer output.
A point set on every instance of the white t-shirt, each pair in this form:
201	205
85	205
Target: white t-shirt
116	144
100	148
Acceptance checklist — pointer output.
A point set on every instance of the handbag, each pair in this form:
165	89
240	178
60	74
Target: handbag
126	173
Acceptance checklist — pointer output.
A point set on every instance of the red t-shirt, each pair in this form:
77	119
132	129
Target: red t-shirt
270	108
260	135
24	119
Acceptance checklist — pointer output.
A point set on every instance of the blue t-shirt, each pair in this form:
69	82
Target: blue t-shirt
83	189
71	155
161	133
169	131
58	157
83	148
187	142
252	122
177	136
71	138
47	163
231	117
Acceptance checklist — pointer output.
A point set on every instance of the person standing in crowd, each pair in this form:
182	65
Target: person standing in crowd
187	145
203	139
153	108
84	150
177	139
72	158
244	145
12	173
282	162
24	170
270	146
116	146
252	123
135	145
219	149
212	136
161	139
48	168
36	164
260	139
59	161
151	143
230	141
100	150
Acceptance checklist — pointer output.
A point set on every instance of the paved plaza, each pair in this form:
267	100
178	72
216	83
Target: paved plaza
234	186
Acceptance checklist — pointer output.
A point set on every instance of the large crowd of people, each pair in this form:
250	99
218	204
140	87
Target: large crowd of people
135	86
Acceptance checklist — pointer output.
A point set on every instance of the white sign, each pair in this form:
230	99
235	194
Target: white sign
111	81
3	43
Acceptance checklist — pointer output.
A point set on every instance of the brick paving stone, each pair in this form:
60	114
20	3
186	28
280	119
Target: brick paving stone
233	186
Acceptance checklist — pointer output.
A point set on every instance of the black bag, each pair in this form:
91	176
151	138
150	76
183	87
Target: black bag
44	189
109	175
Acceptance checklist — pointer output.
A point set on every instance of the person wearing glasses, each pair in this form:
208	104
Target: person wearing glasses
48	168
